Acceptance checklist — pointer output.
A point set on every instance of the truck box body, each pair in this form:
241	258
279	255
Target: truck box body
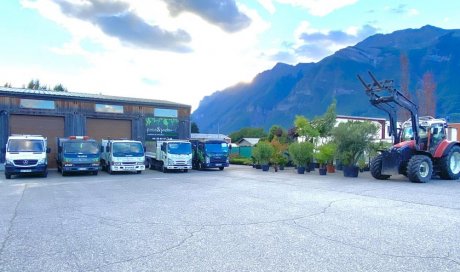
210	154
77	154
169	155
122	155
26	154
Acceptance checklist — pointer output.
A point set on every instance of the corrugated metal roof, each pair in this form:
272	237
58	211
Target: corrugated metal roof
208	136
85	96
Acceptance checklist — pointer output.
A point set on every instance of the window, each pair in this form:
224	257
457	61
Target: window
109	108
165	113
37	104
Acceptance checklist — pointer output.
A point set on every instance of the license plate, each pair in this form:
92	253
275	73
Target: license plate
218	164
82	168
129	167
25	171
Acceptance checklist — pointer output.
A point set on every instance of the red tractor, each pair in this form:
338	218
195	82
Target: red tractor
421	148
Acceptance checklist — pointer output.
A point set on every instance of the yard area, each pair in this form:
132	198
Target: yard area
239	219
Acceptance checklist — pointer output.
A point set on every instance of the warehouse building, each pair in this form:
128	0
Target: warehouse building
62	114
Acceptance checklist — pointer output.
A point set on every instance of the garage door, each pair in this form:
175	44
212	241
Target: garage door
108	128
48	126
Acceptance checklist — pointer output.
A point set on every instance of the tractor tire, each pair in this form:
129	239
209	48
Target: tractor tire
420	169
376	168
450	164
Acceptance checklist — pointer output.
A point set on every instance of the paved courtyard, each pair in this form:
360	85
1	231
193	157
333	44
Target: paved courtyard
240	219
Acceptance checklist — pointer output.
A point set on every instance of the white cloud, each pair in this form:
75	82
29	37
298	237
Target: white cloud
413	12
219	59
268	5
319	7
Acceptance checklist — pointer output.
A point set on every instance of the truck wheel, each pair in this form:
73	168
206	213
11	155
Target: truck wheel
221	168
450	164
109	170
164	169
138	172
64	173
199	166
376	168
7	176
419	168
185	170
95	173
45	174
151	166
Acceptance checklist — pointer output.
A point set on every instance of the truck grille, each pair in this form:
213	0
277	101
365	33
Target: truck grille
25	162
128	163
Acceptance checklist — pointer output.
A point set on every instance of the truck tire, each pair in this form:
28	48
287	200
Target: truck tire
138	172
44	174
151	166
376	168
95	173
450	164
64	173
185	170
221	168
7	176
420	169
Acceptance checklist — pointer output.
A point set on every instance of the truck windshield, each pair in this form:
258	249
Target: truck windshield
25	145
216	148
128	149
81	147
179	148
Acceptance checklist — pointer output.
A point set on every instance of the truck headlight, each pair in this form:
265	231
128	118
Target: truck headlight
117	163
170	162
189	161
8	161
41	161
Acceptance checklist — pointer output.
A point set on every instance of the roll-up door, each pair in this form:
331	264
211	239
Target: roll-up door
48	126
108	128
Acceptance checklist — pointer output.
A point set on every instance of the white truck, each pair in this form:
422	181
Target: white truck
169	155
26	154
122	155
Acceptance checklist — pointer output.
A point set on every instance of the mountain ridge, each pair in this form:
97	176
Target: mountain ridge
275	96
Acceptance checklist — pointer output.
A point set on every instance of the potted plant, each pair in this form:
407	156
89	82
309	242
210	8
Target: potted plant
361	164
301	154
278	158
263	151
352	139
324	156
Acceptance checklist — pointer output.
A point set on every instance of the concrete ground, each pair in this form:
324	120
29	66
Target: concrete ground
240	219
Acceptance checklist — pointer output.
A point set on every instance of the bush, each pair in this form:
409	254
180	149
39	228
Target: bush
301	153
326	153
263	152
240	161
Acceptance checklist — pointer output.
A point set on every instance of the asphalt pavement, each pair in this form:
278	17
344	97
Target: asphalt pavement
239	219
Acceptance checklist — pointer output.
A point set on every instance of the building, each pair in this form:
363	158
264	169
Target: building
248	142
204	137
382	124
62	114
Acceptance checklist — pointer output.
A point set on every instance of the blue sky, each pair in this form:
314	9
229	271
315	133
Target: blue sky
183	50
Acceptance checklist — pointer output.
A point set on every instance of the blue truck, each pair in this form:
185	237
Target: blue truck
210	154
77	154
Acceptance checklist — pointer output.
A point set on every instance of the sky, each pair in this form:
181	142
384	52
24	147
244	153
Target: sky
183	50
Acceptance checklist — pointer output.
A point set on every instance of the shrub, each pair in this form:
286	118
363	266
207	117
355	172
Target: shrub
301	153
263	152
240	161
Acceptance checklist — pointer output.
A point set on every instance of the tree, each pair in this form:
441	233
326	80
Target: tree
325	123
247	132
7	85
59	88
304	128
34	84
428	95
404	115
194	128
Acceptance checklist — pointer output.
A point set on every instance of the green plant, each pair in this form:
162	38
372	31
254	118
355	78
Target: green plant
352	139
240	161
362	163
301	153
326	153
263	152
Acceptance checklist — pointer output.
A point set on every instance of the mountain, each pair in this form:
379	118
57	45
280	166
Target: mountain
277	95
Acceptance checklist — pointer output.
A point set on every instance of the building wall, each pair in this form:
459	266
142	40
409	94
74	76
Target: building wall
77	112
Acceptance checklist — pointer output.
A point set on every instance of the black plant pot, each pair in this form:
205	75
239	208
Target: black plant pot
312	166
265	167
300	170
350	171
322	171
258	166
281	167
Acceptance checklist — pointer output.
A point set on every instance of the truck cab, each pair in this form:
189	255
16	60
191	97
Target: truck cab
77	154
169	155
122	156
26	154
210	154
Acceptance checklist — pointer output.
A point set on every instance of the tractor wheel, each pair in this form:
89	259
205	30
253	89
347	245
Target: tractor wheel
376	168
450	164
419	168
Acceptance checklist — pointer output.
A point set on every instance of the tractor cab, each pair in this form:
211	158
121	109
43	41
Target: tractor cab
431	133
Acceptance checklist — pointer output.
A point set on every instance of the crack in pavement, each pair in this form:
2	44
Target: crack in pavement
445	258
11	222
183	241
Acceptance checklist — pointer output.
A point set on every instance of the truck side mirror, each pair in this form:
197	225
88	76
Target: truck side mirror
60	149
107	149
48	150
3	149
